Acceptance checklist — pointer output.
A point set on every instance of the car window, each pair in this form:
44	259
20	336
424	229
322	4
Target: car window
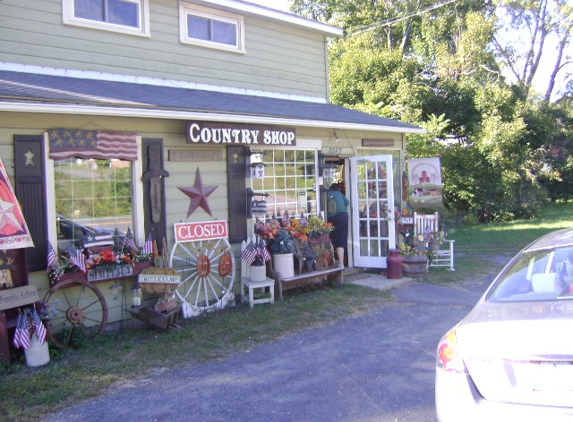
536	275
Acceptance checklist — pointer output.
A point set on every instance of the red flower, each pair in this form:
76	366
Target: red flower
107	256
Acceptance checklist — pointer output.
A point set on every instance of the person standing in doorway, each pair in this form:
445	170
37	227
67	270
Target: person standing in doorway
337	213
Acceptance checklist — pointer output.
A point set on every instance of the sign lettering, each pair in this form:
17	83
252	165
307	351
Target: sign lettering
189	232
159	279
18	296
378	143
236	133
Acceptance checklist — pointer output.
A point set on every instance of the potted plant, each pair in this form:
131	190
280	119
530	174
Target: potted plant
414	257
282	251
436	240
319	230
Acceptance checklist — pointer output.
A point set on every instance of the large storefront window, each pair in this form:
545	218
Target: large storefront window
289	181
93	198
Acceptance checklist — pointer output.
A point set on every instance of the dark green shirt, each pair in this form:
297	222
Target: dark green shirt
336	202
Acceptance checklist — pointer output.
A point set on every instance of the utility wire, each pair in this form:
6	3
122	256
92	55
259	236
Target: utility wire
393	21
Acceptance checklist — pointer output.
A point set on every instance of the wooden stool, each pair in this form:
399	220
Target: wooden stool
252	285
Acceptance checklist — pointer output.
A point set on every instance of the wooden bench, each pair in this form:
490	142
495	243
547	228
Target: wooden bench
333	275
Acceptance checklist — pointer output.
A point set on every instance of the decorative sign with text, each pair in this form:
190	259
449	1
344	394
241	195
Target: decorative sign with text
203	133
18	296
378	143
205	230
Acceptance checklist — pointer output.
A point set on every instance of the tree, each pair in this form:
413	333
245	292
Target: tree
435	66
536	23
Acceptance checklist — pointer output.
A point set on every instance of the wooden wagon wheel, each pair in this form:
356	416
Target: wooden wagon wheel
77	310
207	275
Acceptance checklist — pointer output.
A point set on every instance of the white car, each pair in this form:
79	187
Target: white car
511	357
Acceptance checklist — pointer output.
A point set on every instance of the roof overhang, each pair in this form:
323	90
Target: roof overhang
40	93
73	109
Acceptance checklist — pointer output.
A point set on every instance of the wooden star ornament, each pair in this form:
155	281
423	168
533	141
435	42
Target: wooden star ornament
198	194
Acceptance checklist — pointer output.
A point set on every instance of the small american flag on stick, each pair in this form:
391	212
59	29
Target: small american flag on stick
78	258
17	334
148	245
38	326
52	256
129	242
22	332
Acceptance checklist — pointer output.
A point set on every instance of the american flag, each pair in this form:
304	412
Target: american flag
259	226
286	219
148	245
303	221
78	258
129	242
38	326
52	256
17	334
428	230
249	254
264	251
70	143
25	333
22	332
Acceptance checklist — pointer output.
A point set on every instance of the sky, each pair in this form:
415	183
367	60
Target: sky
273	4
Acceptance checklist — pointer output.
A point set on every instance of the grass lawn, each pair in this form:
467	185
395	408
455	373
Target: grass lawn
75	375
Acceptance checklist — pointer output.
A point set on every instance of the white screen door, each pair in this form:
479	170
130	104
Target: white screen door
372	200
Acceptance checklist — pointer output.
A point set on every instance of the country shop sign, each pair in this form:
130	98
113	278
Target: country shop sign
239	134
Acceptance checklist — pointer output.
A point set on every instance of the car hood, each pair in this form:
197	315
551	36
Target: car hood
520	352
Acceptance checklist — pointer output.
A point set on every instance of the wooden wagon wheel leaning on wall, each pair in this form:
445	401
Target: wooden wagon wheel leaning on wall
202	256
77	309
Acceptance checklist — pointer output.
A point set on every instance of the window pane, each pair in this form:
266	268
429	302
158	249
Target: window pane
123	13
92	197
289	181
119	12
198	28
89	9
224	33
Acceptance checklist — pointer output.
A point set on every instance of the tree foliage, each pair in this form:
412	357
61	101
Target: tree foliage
440	66
538	24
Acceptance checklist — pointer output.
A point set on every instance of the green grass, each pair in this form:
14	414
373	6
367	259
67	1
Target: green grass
75	375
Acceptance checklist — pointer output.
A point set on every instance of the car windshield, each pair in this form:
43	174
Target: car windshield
536	275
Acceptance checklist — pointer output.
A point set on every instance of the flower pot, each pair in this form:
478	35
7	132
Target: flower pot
321	239
414	266
284	264
258	272
435	247
38	353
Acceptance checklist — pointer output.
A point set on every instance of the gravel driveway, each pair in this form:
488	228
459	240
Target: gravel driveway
378	366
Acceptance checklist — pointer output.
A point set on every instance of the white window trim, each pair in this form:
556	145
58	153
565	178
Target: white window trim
218	15
137	186
143	30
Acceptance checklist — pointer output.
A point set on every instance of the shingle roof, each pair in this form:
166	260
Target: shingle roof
32	88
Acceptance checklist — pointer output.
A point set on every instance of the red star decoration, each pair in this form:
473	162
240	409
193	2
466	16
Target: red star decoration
198	194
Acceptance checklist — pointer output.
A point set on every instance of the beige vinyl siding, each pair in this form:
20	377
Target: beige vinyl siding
181	174
278	58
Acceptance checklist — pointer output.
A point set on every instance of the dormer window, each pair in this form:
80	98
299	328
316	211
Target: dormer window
126	16
210	28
